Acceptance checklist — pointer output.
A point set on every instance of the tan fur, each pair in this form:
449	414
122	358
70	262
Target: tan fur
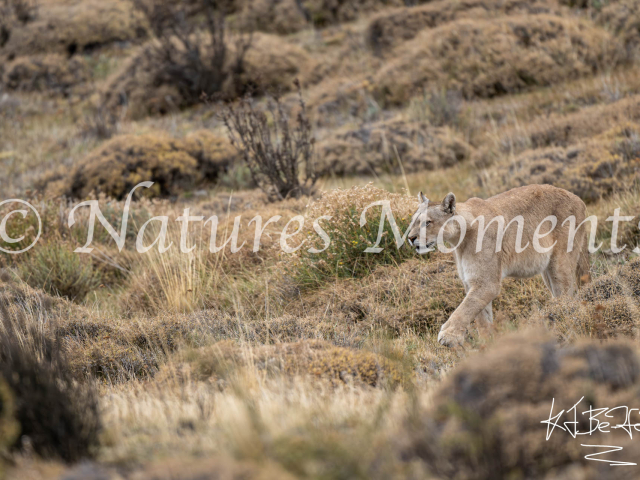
482	271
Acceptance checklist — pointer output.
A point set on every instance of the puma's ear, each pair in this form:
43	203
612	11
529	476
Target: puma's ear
449	203
422	198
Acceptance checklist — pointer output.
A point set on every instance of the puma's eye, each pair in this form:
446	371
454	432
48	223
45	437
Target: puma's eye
427	223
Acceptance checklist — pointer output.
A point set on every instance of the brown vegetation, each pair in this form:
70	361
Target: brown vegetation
391	28
58	416
123	162
494	57
622	18
390	146
485	419
73	27
265	364
142	86
606	308
592	169
278	152
39	73
274	16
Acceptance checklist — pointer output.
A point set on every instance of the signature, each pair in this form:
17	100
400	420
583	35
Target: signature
600	420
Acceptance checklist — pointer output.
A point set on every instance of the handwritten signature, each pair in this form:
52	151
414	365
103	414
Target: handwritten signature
600	420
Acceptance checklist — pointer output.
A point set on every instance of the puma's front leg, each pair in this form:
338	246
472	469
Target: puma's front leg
478	297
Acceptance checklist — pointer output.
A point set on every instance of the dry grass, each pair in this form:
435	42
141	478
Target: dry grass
487	58
271	64
174	165
74	27
391	146
592	169
270	365
45	73
393	27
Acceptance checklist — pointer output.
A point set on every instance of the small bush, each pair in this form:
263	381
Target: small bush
58	415
38	73
55	268
174	165
280	156
142	86
345	256
194	66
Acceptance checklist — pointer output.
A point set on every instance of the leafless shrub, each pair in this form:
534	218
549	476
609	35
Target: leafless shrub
280	156
195	54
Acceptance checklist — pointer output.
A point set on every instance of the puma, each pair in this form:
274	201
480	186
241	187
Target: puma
489	247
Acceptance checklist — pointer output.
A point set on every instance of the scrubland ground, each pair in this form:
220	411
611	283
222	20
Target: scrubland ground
266	364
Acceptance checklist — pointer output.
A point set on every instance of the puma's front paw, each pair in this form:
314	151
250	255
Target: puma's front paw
451	336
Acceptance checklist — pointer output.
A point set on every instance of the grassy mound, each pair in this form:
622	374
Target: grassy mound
373	149
141	85
38	73
175	165
75	27
608	307
337	365
281	17
592	169
485	419
391	28
623	18
486	58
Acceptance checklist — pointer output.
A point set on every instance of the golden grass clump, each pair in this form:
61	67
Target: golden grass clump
50	73
175	165
270	64
75	27
390	28
484	421
391	147
593	169
486	58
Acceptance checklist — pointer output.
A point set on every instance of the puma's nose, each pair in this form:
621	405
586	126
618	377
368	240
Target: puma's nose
412	239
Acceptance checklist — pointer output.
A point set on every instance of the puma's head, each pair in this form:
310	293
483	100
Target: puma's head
428	220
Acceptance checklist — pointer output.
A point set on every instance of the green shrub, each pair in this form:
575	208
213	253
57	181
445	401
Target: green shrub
55	268
345	256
